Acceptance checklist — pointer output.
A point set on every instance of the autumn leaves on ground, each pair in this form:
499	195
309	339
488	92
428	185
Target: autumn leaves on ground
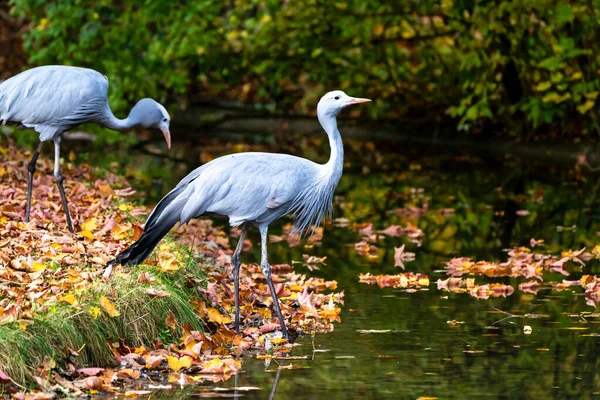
64	329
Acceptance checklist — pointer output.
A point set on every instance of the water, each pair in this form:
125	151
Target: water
432	343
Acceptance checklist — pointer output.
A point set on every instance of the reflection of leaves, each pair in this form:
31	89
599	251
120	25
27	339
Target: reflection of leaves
400	256
367	250
411	232
312	262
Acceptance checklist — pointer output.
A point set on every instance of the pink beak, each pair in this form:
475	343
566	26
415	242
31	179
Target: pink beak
167	134
357	100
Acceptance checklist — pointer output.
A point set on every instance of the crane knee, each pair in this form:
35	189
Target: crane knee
59	178
266	269
31	165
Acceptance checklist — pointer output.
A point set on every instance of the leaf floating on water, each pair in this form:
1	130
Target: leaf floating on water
405	280
381	331
521	262
458	285
575	328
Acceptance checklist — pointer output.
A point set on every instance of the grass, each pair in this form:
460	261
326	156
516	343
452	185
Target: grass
141	320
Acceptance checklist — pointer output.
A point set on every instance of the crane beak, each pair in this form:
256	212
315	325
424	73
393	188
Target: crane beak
167	134
357	100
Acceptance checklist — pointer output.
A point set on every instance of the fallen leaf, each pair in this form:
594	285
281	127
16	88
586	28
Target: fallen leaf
109	307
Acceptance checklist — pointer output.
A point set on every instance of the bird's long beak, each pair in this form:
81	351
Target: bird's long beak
167	134
357	100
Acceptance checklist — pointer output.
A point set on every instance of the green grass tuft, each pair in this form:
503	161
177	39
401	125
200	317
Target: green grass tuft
141	320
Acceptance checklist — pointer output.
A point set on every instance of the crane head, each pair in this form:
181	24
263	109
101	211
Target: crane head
333	102
151	114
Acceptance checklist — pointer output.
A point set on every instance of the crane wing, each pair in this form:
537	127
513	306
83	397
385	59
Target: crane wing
53	99
258	187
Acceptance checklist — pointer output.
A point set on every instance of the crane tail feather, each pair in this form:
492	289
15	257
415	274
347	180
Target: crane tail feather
143	247
160	222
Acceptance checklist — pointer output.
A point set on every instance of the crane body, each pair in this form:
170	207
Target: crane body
54	99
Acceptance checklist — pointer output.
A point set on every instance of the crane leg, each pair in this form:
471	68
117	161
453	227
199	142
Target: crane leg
235	262
266	268
59	182
31	169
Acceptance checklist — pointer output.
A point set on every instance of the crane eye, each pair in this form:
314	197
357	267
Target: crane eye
337	97
164	120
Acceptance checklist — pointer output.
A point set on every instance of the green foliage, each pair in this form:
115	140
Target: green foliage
481	62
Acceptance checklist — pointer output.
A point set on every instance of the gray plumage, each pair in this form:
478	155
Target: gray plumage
55	99
252	189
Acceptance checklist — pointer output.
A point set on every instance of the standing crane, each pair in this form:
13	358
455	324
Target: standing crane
54	99
252	189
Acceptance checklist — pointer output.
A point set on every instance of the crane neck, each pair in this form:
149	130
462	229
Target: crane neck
336	159
116	124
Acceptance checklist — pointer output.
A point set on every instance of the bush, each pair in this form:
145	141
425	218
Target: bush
518	66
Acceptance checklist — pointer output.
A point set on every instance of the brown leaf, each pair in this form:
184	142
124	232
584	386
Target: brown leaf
90	371
4	378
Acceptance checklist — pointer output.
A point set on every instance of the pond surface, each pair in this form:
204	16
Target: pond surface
399	343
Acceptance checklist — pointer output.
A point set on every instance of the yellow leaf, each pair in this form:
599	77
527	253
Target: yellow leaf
108	307
265	19
596	251
86	234
2	171
177	363
167	262
90	224
185	361
37	266
68	298
43	24
585	107
575	76
215	315
542	86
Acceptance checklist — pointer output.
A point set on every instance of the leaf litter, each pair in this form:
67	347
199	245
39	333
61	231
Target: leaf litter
43	266
523	262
